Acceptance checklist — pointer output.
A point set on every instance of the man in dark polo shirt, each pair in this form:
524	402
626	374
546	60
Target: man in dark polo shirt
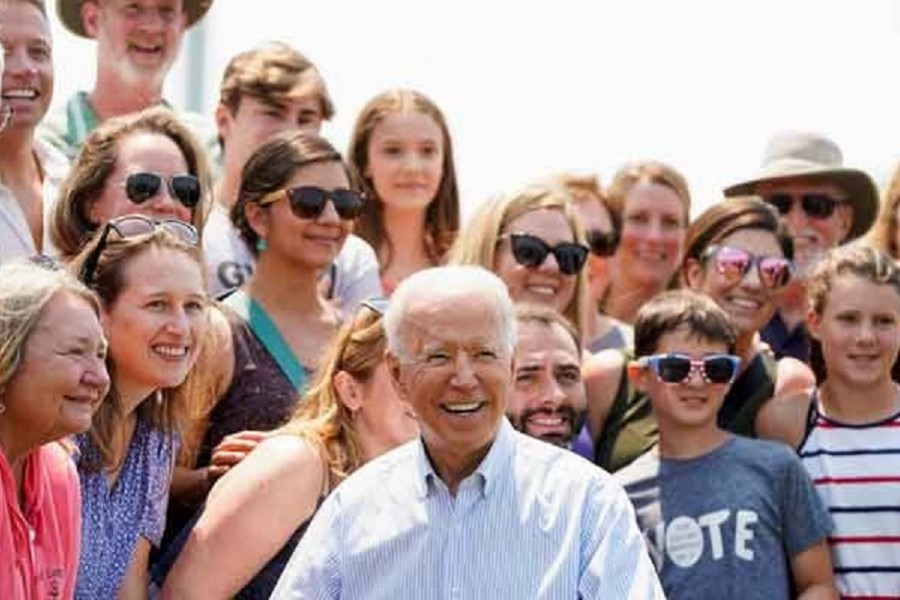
823	204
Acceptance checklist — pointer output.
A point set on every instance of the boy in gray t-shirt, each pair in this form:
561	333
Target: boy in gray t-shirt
724	516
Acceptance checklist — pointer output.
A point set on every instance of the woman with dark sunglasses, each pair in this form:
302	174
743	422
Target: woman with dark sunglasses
602	228
351	414
149	277
294	210
532	239
738	253
147	163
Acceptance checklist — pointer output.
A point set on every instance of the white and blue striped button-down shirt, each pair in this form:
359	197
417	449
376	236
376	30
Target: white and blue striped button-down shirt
533	521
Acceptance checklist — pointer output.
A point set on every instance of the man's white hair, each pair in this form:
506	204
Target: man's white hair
449	282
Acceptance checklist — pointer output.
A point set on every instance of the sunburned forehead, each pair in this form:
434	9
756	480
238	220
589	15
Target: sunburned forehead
458	319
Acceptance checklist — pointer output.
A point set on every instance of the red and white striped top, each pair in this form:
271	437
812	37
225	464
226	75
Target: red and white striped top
856	471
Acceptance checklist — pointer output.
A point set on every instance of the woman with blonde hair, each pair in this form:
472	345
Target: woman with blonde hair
52	377
532	239
149	277
652	201
257	513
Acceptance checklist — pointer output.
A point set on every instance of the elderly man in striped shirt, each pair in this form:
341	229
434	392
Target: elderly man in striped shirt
473	508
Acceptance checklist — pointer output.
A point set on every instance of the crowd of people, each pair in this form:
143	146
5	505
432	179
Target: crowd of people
235	362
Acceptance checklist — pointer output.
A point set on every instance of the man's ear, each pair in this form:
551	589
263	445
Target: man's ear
223	120
636	375
90	15
845	216
395	370
692	274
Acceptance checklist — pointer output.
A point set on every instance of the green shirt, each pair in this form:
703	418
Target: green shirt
66	127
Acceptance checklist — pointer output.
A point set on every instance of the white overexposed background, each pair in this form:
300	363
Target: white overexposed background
534	88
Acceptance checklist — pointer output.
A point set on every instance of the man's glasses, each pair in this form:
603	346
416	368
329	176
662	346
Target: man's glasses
132	226
141	187
602	243
816	206
733	264
531	251
308	202
678	368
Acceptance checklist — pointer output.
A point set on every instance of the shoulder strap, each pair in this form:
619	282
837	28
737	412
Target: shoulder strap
268	334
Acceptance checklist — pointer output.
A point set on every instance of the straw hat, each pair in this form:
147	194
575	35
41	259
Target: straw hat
69	12
812	156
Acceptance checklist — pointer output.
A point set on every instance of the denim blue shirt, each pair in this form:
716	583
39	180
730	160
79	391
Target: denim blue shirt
533	521
113	519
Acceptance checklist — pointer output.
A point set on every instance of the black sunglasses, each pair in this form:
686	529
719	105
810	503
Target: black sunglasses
602	243
678	368
141	187
531	251
132	226
816	206
733	264
308	202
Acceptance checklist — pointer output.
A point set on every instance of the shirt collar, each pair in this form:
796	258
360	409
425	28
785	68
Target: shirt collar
490	470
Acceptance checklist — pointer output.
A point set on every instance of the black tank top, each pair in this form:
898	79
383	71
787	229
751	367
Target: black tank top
260	397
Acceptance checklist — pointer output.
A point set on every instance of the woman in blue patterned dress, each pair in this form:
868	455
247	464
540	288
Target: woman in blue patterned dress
149	277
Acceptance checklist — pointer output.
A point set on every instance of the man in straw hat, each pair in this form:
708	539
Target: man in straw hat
137	43
822	203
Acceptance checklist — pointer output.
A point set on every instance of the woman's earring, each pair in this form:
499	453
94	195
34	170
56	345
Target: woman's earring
2	408
262	245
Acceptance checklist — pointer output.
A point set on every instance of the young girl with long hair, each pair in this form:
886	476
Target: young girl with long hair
401	157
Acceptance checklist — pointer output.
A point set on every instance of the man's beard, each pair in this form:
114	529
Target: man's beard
575	419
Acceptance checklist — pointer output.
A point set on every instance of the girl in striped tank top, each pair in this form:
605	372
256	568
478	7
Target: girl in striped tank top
847	430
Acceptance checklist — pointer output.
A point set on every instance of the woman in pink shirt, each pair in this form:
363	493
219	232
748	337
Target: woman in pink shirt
52	377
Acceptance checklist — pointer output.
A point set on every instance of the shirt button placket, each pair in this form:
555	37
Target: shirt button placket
455	553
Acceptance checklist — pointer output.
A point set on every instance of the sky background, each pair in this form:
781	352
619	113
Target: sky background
584	85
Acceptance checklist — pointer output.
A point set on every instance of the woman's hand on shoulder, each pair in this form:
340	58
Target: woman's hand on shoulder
232	450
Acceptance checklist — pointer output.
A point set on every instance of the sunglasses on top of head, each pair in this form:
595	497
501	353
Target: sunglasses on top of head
733	264
678	368
376	304
531	251
602	243
815	205
141	187
308	202
132	226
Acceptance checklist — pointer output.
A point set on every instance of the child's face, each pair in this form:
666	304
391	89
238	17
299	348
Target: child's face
691	404
405	160
859	329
